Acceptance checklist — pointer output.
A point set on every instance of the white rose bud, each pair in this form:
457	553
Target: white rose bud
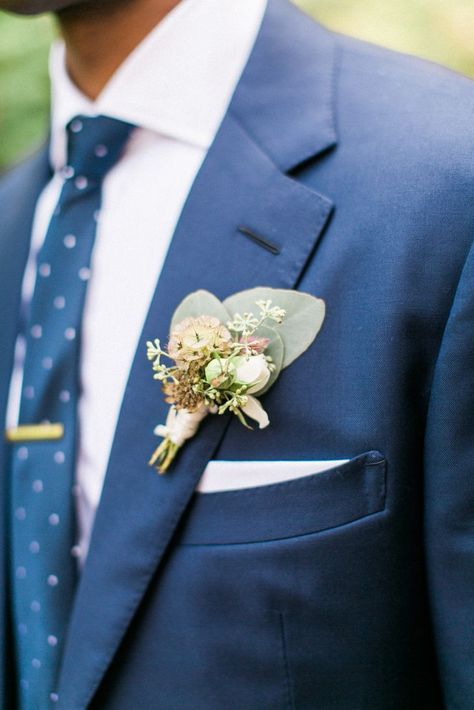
251	371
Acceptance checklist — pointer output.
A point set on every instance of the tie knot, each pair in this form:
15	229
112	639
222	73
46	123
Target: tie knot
94	145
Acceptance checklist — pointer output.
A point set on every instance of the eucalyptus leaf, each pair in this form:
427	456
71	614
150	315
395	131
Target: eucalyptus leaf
303	320
200	303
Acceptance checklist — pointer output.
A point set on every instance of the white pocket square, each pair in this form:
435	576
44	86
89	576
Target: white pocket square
221	476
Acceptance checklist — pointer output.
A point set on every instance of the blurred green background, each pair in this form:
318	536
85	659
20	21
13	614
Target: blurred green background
441	30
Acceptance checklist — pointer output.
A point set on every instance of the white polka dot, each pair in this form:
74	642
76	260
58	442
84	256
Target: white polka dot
101	150
35	606
70	333
44	270
53	519
22	629
59	457
84	273
64	396
76	125
36	663
47	363
52	640
20	513
21	572
22	453
36	331
67	172
29	392
96	215
76	551
25	684
54	697
37	486
53	580
69	241
34	547
59	302
81	182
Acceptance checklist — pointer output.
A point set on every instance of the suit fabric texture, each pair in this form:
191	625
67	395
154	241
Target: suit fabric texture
350	589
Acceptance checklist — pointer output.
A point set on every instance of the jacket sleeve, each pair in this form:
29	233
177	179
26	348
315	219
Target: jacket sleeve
449	498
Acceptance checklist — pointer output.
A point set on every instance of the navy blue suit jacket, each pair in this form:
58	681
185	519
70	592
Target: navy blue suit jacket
347	590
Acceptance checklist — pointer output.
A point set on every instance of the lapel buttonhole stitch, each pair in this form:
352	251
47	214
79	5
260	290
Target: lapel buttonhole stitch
261	241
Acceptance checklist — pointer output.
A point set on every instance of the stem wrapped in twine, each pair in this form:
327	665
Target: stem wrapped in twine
180	426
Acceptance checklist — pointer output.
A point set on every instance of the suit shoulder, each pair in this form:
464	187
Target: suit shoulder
387	97
421	113
374	63
405	83
373	55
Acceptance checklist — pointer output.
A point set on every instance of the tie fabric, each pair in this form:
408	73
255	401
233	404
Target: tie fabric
43	566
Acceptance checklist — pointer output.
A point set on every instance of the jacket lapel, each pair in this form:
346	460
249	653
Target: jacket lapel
245	224
18	195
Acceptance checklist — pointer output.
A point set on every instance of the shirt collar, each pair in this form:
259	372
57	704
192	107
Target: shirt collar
178	82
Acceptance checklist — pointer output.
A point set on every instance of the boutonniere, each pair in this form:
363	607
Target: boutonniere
224	355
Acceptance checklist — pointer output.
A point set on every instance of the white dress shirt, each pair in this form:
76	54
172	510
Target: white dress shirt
175	86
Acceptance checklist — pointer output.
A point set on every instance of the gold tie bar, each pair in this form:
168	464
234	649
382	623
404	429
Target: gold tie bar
34	432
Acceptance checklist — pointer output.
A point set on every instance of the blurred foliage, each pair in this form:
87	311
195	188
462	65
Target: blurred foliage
24	85
441	30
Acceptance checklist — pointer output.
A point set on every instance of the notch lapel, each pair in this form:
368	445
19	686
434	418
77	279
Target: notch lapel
240	185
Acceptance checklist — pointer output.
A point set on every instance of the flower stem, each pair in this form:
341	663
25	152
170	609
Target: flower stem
164	454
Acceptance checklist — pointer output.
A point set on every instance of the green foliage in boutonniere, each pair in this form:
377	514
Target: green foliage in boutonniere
225	354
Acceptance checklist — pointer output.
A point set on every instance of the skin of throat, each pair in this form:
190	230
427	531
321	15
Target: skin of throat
99	39
99	34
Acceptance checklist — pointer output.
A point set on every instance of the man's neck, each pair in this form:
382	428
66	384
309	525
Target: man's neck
100	35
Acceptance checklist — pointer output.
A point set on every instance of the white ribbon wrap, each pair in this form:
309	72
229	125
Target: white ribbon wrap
181	424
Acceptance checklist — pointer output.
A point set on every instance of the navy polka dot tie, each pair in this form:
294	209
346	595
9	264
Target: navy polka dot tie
43	568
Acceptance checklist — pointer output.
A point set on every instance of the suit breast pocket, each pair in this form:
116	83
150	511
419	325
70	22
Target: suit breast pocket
292	508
